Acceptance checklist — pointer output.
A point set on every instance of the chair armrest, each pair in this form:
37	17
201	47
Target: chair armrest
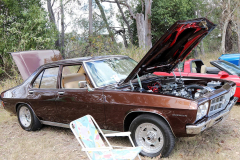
97	149
121	147
120	134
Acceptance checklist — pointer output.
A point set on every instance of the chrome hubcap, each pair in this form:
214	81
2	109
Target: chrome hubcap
150	137
25	116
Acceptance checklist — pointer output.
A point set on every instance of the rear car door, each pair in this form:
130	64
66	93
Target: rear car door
42	94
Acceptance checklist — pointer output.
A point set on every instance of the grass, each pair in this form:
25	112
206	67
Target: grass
219	142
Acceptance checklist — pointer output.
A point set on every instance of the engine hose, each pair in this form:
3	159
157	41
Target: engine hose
194	86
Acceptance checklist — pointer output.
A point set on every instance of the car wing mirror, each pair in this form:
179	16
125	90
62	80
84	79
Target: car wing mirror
82	84
223	74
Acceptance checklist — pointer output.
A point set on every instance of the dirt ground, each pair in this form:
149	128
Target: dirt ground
220	142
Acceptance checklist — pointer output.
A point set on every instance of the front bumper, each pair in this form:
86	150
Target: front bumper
197	128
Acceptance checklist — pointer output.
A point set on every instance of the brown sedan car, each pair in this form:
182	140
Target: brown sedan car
124	95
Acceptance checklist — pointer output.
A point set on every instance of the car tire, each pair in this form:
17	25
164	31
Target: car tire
153	134
27	119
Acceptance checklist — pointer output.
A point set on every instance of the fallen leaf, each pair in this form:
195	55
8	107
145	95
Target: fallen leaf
218	150
181	155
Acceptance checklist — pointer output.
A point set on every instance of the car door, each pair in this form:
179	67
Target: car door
73	102
42	94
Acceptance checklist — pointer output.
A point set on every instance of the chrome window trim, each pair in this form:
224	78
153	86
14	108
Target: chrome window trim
63	125
89	75
55	124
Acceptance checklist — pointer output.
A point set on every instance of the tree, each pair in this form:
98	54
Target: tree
238	29
62	28
227	14
105	20
127	23
52	19
165	13
90	19
23	26
143	21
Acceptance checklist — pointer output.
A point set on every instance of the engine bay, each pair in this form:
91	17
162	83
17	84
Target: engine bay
180	87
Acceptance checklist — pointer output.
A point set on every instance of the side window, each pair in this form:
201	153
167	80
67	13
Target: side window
37	82
47	79
71	75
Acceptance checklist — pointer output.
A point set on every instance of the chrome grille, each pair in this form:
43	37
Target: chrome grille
219	103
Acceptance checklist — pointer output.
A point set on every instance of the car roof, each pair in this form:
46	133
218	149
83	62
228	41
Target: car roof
83	59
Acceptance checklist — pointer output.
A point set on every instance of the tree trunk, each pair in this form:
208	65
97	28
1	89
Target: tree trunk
238	29
148	34
90	19
52	19
50	11
226	22
105	20
202	48
195	52
141	30
224	33
62	27
124	38
125	20
229	40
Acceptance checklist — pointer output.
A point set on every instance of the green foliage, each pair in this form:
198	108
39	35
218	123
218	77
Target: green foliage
165	13
23	26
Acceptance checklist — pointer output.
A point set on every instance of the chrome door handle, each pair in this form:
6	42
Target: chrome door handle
60	93
30	92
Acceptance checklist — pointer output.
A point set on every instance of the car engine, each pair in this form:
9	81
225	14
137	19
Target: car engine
180	87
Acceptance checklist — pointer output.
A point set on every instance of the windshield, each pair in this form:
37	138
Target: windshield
108	71
229	67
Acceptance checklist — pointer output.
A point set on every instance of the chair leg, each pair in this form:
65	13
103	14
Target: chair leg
133	145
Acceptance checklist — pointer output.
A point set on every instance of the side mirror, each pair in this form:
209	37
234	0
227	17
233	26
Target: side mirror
223	74
82	84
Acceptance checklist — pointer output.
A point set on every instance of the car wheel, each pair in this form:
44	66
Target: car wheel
27	119
153	134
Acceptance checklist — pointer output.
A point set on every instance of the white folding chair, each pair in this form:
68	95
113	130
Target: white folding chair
86	130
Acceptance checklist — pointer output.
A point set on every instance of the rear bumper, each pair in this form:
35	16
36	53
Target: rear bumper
198	128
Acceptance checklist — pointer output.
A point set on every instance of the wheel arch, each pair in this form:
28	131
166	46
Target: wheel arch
134	114
20	103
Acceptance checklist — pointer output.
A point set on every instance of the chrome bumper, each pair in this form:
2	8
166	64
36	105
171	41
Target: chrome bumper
197	128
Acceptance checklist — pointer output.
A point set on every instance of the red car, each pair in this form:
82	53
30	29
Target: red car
196	68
